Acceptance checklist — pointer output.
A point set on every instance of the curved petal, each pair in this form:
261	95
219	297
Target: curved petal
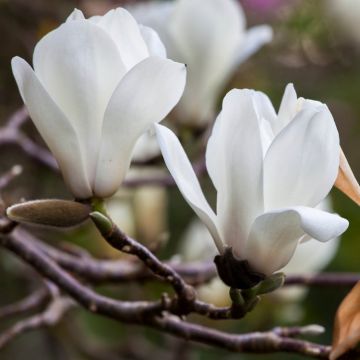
234	161
287	110
302	163
80	67
125	32
267	116
54	127
206	34
146	147
155	14
275	235
254	39
76	15
145	95
186	180
153	42
312	256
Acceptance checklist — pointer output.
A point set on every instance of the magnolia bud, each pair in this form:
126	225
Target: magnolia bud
270	284
57	213
346	181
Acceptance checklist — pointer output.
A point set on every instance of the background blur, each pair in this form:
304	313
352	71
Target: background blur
317	47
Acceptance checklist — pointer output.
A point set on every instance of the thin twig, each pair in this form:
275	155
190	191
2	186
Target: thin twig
13	136
122	310
195	273
32	302
50	317
324	279
120	241
18	118
256	343
10	175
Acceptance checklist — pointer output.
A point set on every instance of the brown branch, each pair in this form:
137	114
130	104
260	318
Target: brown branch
152	313
119	271
50	317
18	118
32	302
195	273
256	343
147	313
10	175
324	279
122	310
120	241
13	136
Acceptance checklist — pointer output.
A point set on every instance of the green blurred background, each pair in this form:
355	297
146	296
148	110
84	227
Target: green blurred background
316	47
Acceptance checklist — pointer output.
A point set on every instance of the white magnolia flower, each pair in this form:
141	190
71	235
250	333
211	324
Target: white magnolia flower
97	85
210	36
270	171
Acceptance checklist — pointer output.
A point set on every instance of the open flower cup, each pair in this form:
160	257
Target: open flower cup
270	171
97	86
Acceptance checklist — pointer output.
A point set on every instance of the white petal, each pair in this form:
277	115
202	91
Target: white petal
264	107
312	256
184	175
302	163
275	235
206	34
288	108
145	95
234	161
153	42
146	147
155	14
80	67
125	32
267	116
75	15
254	39
54	127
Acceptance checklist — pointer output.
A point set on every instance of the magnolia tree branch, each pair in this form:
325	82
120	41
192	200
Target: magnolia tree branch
32	302
156	314
99	271
54	312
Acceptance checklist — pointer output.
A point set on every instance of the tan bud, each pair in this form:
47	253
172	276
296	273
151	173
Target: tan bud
346	181
346	335
51	212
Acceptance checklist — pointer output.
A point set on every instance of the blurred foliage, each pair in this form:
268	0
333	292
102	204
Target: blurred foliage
310	51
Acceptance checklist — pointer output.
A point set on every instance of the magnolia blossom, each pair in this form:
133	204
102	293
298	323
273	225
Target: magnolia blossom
97	85
310	257
210	36
270	172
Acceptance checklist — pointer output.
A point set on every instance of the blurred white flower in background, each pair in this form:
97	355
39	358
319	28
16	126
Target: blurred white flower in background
346	15
97	86
210	36
141	212
270	172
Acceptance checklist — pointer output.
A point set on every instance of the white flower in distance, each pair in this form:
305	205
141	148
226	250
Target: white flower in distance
270	171
210	36
97	85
